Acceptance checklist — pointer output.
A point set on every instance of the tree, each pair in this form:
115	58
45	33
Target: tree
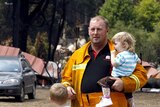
147	14
78	14
41	45
5	20
44	14
115	10
154	41
122	17
22	20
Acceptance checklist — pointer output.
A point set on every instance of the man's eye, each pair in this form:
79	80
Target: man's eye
92	29
98	29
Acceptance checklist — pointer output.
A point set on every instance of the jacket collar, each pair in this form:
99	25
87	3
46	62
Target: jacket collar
83	51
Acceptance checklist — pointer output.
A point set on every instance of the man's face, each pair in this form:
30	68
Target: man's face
97	31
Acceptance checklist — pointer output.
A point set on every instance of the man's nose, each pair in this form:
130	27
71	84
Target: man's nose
95	31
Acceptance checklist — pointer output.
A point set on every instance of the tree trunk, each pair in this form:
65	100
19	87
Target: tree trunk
20	23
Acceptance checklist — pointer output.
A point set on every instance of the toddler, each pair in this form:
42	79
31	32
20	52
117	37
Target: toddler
123	59
58	94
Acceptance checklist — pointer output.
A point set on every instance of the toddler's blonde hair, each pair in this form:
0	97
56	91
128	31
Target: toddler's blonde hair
58	93
125	37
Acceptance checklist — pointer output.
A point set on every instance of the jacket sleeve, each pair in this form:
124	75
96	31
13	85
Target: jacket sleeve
67	72
136	81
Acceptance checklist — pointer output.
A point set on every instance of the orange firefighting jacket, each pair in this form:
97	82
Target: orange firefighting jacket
74	69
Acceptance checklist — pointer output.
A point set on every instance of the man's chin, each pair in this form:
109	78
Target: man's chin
96	42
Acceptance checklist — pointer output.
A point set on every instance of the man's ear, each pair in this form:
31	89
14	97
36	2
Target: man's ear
107	30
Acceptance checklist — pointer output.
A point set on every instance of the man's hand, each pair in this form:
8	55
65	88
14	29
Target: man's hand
118	84
71	93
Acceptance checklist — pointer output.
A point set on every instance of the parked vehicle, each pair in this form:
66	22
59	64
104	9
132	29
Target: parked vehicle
17	78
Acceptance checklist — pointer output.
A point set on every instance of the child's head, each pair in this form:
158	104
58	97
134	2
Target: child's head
124	41
58	93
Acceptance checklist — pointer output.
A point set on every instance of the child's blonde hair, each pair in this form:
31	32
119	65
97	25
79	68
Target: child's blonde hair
125	37
58	93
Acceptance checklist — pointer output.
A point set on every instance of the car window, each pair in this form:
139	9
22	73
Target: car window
24	64
9	66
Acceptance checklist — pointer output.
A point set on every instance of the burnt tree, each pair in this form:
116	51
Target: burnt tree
22	20
24	17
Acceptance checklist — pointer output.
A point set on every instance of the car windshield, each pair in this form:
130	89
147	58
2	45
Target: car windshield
9	65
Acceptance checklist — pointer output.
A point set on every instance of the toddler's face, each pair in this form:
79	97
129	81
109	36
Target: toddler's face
58	102
118	46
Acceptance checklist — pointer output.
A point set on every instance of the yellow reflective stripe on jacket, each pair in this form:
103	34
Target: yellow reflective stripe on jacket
80	66
137	81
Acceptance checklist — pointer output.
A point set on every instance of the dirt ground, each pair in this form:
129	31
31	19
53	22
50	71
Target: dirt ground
142	99
145	99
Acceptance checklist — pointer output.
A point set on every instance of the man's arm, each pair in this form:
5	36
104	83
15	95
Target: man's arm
136	81
131	83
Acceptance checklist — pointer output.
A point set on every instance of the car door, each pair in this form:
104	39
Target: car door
27	76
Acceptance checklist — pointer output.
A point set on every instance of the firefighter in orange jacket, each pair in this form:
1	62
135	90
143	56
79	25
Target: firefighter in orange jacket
88	64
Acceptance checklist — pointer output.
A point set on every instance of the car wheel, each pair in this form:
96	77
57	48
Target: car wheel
33	94
21	97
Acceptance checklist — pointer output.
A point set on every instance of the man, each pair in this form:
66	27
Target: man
92	62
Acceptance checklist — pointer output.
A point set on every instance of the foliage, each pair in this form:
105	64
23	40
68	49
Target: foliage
78	13
141	19
147	14
139	34
30	47
115	10
5	20
39	48
154	39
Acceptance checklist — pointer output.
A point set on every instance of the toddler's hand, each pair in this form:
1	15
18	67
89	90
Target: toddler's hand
113	52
